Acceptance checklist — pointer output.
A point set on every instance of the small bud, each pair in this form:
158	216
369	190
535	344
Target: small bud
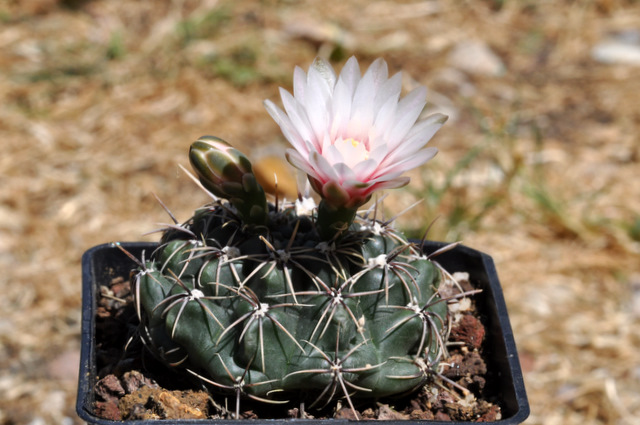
226	172
216	162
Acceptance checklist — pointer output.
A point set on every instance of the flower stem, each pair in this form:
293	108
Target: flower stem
333	221
250	201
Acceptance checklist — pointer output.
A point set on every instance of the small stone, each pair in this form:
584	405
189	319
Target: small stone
109	388
182	406
387	413
346	413
468	330
120	287
156	403
134	380
443	417
65	366
249	414
620	49
477	382
108	410
473	364
368	413
469	365
492	414
475	57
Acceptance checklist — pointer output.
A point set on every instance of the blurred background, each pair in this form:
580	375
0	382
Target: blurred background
538	164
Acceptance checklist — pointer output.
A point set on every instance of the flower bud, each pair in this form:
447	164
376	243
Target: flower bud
226	172
217	163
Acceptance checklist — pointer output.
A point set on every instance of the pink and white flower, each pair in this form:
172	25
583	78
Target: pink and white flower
353	134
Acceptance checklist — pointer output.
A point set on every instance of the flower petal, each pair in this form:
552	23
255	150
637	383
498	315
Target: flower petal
419	136
350	75
298	117
364	169
341	109
333	154
362	112
324	169
299	84
288	129
318	97
389	90
323	69
408	163
409	109
392	183
422	132
344	171
300	162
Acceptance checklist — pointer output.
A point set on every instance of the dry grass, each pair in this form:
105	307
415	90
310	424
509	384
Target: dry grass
101	99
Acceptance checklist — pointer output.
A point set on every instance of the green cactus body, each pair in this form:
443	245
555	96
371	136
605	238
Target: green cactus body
278	302
284	310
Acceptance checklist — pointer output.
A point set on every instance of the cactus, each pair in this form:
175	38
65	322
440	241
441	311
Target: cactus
292	300
260	304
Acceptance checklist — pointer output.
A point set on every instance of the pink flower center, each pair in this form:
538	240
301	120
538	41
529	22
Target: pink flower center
353	151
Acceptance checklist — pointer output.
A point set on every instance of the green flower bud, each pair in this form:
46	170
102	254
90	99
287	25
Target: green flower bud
227	173
216	162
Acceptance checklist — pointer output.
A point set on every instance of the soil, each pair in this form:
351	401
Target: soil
136	386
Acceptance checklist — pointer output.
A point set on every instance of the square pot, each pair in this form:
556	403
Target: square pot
102	263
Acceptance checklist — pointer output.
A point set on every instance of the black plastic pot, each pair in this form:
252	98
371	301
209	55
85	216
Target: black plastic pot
102	263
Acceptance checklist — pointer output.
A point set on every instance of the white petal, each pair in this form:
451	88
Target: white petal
288	129
384	121
414	100
317	104
383	177
409	109
323	167
408	163
379	73
362	112
379	153
299	84
421	133
340	109
392	183
350	75
344	172
332	154
300	162
364	169
324	70
298	117
322	87
390	89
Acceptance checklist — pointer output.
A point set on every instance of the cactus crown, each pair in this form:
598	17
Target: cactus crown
276	302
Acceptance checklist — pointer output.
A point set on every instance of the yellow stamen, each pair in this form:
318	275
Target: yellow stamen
356	143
